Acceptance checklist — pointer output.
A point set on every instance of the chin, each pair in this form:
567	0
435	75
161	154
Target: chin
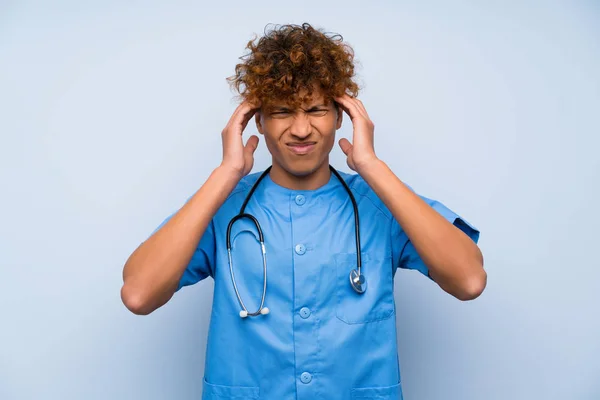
301	168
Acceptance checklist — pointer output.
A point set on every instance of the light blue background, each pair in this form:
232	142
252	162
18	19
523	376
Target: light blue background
110	117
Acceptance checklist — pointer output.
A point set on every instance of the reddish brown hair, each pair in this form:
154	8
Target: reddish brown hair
289	59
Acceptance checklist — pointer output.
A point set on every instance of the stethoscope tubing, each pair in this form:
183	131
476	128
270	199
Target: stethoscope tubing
356	279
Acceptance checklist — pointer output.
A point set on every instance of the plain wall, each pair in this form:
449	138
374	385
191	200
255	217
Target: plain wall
110	117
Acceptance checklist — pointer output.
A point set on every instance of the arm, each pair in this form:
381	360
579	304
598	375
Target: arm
151	274
453	259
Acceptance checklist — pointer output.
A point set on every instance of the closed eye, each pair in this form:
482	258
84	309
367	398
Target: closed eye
316	112
319	112
280	114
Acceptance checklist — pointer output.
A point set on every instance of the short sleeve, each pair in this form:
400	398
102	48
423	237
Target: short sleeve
202	263
405	255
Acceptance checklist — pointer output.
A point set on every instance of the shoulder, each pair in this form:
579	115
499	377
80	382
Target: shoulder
363	192
235	198
241	190
244	185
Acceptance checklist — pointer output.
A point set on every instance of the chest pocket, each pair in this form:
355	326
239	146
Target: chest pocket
377	302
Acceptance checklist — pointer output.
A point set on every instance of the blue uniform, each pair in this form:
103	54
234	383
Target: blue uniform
321	339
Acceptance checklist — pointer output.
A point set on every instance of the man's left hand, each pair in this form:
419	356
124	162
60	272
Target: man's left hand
361	152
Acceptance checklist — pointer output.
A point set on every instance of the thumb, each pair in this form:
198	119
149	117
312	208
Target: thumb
345	146
249	149
251	145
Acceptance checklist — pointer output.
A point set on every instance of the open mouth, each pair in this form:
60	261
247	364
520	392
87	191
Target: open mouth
301	148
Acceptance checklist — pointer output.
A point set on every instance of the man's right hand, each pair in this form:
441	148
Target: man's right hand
238	158
153	271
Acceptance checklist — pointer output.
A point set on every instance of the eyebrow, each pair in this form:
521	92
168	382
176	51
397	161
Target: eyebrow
285	108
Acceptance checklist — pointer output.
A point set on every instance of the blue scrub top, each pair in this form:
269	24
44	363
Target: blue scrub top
321	340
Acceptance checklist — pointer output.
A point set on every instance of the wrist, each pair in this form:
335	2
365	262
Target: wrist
370	167
232	172
228	176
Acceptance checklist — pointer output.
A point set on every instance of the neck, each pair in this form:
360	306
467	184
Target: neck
310	181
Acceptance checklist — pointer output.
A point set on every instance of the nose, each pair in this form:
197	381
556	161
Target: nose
301	127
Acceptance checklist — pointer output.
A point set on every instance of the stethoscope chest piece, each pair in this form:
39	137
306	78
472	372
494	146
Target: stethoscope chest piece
358	281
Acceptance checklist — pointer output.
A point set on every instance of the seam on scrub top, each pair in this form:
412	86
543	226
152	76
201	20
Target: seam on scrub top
293	295
237	191
392	244
243	185
386	212
212	268
319	363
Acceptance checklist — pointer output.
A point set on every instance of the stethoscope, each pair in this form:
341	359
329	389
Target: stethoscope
357	280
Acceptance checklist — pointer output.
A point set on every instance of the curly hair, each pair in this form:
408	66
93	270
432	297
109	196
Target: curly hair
293	59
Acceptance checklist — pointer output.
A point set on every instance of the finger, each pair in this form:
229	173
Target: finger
251	145
349	105
246	114
249	149
245	107
361	106
345	145
242	114
343	105
236	113
247	117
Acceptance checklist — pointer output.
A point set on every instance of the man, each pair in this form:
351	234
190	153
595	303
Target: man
313	329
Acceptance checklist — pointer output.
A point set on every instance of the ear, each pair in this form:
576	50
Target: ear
340	116
258	120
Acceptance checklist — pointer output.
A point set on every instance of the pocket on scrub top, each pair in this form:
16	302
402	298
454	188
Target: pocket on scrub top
221	392
378	393
377	302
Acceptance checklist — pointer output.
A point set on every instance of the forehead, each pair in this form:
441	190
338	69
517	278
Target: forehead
300	100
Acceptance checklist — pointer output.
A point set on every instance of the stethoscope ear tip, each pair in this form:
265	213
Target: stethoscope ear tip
263	311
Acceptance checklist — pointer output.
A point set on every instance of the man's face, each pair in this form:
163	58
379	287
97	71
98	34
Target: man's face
300	140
